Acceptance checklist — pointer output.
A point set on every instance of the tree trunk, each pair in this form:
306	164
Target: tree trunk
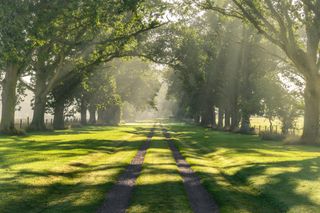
204	119
9	99
234	119
220	118
207	117
58	120
197	119
101	116
214	122
83	112
311	117
92	112
39	109
270	125
245	122
37	123
113	115
227	117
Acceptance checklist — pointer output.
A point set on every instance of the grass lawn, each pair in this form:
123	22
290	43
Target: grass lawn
245	174
64	171
159	188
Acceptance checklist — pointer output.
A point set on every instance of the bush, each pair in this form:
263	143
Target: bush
271	136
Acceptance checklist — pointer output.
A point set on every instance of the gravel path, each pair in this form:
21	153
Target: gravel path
118	198
200	200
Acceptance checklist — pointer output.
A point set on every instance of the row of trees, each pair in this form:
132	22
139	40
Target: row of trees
294	27
224	72
229	64
58	48
226	80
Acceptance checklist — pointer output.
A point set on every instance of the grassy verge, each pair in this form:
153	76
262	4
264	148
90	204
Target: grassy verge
246	174
159	188
64	171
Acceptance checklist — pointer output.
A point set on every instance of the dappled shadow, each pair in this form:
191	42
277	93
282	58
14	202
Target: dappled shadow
80	130
64	149
64	175
308	170
269	185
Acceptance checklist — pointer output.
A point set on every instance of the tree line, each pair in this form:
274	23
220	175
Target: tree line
57	49
229	59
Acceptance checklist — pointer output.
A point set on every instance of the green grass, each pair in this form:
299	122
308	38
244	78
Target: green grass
246	174
72	170
64	171
159	188
265	125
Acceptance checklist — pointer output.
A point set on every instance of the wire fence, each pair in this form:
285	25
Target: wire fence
24	123
276	130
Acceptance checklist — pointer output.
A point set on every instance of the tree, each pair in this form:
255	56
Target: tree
294	27
15	51
107	31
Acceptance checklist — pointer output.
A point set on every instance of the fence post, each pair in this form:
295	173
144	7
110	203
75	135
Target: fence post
28	121
46	122
20	123
51	122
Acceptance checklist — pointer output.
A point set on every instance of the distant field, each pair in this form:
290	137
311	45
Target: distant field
246	174
264	123
64	171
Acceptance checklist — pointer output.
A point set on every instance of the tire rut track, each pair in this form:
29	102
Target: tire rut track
118	197
199	198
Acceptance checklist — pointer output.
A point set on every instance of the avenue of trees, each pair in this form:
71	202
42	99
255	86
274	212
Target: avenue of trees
228	60
58	45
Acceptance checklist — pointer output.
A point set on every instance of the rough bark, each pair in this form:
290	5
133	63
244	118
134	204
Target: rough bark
312	110
9	85
58	120
40	100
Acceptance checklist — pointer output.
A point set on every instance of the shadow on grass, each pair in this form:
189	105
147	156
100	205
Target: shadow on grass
164	197
236	191
68	179
78	130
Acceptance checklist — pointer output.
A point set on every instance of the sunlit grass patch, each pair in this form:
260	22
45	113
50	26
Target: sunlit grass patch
246	174
64	171
159	188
